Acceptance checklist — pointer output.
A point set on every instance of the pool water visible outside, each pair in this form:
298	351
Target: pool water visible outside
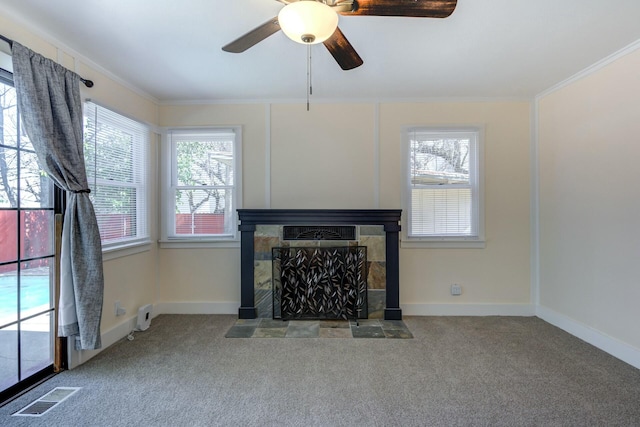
34	293
34	336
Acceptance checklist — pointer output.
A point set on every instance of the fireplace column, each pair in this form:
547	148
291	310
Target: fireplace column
247	308
392	310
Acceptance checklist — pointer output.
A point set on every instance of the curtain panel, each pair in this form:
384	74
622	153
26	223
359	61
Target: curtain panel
51	109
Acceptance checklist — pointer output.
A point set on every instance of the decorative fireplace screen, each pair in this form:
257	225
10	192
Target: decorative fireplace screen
320	282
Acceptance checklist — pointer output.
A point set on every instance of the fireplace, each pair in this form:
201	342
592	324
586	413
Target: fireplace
298	219
311	282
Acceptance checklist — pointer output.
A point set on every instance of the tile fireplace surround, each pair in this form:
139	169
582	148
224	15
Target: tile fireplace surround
389	219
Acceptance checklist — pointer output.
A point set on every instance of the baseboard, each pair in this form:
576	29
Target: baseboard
613	346
604	342
196	308
467	310
110	337
407	309
118	332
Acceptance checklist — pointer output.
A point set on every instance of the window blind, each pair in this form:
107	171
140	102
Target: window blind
441	212
442	184
116	157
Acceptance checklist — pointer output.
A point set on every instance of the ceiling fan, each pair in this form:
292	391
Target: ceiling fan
321	26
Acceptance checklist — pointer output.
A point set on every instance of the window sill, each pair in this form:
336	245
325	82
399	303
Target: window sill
442	244
198	243
126	249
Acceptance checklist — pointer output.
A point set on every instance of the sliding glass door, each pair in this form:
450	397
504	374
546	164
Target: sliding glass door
27	254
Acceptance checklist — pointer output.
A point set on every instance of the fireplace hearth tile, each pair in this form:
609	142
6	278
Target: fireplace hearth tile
367	332
364	322
270	333
397	333
334	324
328	328
395	329
273	323
303	329
241	331
392	324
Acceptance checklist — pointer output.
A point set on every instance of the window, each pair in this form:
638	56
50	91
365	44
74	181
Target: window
443	190
204	189
29	202
116	157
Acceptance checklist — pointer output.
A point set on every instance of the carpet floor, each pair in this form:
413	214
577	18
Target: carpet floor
456	371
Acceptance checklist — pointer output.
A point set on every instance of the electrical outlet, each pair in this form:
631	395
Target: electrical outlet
118	309
456	289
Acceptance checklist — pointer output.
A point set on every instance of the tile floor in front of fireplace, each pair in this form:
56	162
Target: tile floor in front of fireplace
275	328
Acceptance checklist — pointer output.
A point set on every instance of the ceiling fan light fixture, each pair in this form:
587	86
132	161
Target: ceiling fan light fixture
308	21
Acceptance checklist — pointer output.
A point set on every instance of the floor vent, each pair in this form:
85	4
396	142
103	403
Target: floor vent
47	402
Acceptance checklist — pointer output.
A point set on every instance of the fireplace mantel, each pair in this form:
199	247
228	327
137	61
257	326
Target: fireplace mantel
389	218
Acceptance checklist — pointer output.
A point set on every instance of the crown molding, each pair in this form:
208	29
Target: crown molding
592	69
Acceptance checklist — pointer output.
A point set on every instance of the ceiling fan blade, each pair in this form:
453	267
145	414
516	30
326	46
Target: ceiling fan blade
253	37
414	8
342	51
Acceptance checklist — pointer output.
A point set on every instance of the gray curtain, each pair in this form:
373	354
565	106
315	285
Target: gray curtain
51	108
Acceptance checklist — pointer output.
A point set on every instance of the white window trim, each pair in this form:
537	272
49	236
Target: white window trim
167	201
443	242
121	251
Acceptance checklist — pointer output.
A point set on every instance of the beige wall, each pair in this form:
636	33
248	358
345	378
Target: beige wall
590	202
326	158
322	158
209	276
499	273
131	280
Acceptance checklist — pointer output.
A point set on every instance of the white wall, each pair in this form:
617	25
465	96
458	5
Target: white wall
590	207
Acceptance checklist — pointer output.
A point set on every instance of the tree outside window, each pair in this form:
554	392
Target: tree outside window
204	183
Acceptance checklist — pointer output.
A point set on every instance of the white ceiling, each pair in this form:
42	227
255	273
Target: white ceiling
171	50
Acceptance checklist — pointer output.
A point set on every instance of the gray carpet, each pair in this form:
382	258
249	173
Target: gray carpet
457	371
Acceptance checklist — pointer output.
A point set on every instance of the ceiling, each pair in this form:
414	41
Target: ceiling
171	50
